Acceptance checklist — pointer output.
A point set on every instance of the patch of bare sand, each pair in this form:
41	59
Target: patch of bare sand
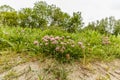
96	71
40	70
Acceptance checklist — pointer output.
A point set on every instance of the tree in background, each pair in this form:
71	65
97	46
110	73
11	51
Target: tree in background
90	26
8	15
111	24
116	29
25	17
41	16
75	22
6	8
40	12
9	18
104	26
57	17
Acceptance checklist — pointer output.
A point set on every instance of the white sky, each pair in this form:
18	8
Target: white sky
91	9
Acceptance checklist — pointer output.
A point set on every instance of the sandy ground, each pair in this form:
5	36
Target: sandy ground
76	71
49	69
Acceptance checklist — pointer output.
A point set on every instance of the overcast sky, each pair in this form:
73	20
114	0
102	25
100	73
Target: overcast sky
91	9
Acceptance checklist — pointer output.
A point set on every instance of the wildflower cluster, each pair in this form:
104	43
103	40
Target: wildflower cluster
57	44
61	46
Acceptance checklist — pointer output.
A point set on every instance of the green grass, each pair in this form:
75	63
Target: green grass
22	40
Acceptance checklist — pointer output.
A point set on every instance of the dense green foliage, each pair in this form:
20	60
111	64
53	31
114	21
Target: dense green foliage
60	44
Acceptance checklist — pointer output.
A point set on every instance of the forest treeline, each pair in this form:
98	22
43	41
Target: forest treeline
45	16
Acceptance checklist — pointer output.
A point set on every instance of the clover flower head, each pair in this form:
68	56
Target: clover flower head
52	39
35	42
57	48
54	42
57	37
45	40
46	37
80	43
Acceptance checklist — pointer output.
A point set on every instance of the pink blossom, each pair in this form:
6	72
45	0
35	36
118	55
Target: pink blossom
46	37
54	42
57	37
57	48
45	40
80	43
35	42
52	39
